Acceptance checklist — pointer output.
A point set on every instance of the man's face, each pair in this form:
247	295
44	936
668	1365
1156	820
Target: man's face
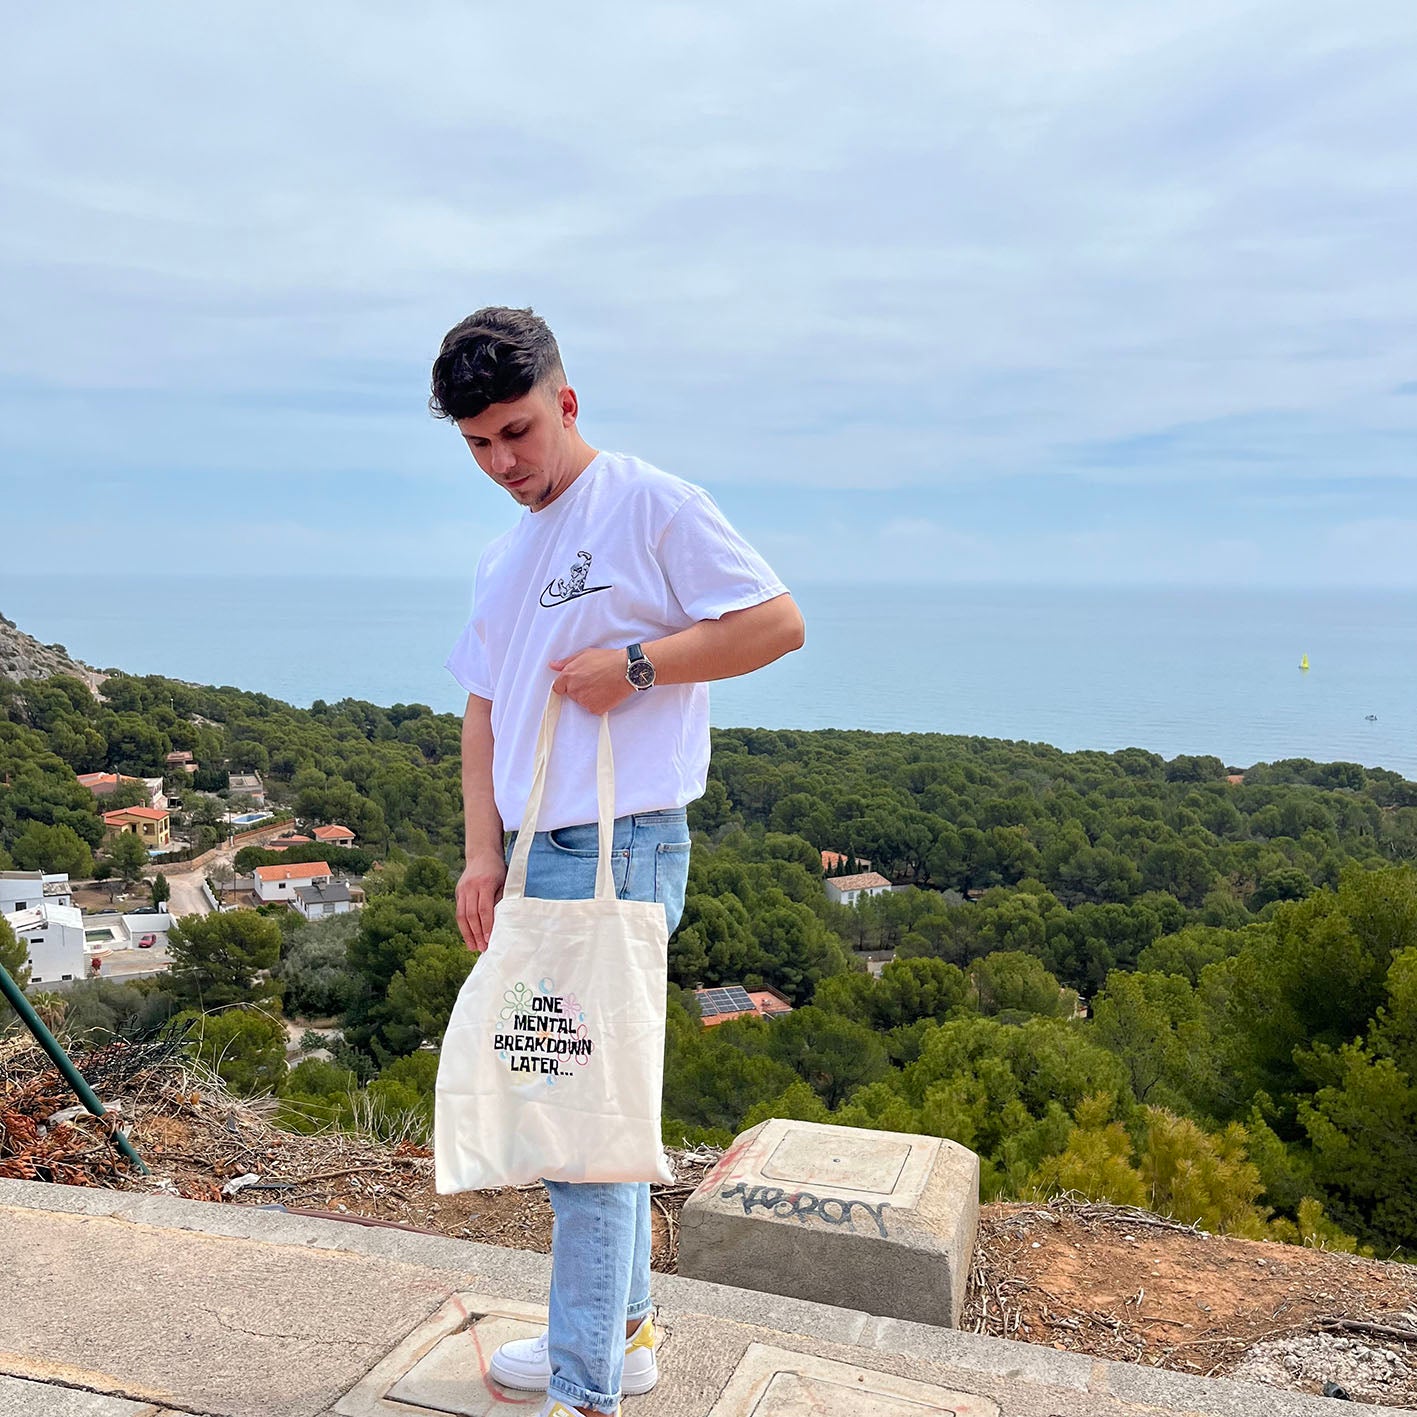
525	445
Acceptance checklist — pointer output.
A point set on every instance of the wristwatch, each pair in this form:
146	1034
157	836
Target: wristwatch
639	671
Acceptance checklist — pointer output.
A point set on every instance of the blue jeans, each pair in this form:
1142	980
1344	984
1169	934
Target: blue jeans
601	1235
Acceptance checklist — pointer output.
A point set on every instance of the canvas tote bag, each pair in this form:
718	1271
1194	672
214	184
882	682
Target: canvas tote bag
553	1060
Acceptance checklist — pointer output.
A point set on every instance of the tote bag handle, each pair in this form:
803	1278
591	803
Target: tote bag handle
515	886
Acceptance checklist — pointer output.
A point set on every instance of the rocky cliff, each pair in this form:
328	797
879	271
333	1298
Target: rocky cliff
23	657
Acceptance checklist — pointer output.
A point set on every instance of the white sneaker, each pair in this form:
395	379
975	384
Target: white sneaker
525	1364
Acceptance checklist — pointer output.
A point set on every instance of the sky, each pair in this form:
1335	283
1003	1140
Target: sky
1042	293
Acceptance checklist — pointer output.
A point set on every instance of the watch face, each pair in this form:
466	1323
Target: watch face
640	673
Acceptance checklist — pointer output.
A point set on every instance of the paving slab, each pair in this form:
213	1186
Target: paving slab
19	1398
879	1221
442	1365
225	1311
189	1320
777	1382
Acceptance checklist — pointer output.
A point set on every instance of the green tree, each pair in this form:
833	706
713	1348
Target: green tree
400	1099
1007	1092
245	1047
1201	1178
833	1055
1312	983
224	959
1011	982
1155	1023
714	1076
14	957
318	1095
1189	951
423	992
1363	1126
798	1103
52	848
315	971
1097	1161
127	857
98	1010
161	890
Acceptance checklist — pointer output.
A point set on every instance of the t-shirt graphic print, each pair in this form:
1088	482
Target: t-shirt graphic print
559	591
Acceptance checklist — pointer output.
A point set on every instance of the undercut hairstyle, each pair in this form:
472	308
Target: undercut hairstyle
495	355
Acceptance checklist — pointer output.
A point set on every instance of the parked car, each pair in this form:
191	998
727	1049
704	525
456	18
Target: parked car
147	942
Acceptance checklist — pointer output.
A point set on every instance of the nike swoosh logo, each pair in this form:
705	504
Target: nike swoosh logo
562	599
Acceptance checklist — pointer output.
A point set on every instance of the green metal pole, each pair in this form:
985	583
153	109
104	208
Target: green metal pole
72	1075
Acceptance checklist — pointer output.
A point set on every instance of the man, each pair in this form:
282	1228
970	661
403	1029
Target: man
625	590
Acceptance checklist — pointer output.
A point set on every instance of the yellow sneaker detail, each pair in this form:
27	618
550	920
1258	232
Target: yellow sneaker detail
644	1337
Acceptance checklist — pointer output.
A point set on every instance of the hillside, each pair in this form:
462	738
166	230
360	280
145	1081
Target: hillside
23	657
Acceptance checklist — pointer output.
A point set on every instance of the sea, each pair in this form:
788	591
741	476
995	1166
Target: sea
1212	671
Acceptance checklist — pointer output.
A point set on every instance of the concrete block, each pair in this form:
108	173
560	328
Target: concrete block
778	1382
883	1222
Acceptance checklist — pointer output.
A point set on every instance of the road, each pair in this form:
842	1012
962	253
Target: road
187	897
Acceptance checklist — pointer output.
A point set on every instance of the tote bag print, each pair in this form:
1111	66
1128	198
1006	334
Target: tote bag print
543	1032
553	1060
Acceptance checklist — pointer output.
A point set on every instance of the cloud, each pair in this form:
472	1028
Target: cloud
1063	247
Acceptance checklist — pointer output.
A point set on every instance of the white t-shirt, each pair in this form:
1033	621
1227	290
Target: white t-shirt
626	554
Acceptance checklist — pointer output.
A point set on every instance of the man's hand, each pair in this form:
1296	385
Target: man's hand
594	679
479	890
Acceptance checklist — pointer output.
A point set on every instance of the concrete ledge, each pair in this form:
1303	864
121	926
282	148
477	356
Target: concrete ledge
710	1327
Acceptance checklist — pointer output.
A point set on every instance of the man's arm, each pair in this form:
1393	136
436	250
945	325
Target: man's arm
737	643
480	887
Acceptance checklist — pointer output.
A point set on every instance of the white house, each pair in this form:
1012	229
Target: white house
281	882
317	901
54	939
847	890
22	890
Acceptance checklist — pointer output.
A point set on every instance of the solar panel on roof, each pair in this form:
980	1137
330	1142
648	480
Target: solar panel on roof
732	999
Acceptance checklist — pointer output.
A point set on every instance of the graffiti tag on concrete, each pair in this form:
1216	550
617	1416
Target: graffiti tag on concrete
803	1206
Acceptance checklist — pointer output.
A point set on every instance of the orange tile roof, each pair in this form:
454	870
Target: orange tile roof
863	882
92	779
296	871
831	859
150	814
333	832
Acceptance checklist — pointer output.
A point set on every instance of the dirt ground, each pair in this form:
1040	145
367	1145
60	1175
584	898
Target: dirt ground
1122	1284
99	898
1112	1282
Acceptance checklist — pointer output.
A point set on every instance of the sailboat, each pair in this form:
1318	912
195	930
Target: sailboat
1304	664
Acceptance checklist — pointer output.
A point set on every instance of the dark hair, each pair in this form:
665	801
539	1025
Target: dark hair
494	355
